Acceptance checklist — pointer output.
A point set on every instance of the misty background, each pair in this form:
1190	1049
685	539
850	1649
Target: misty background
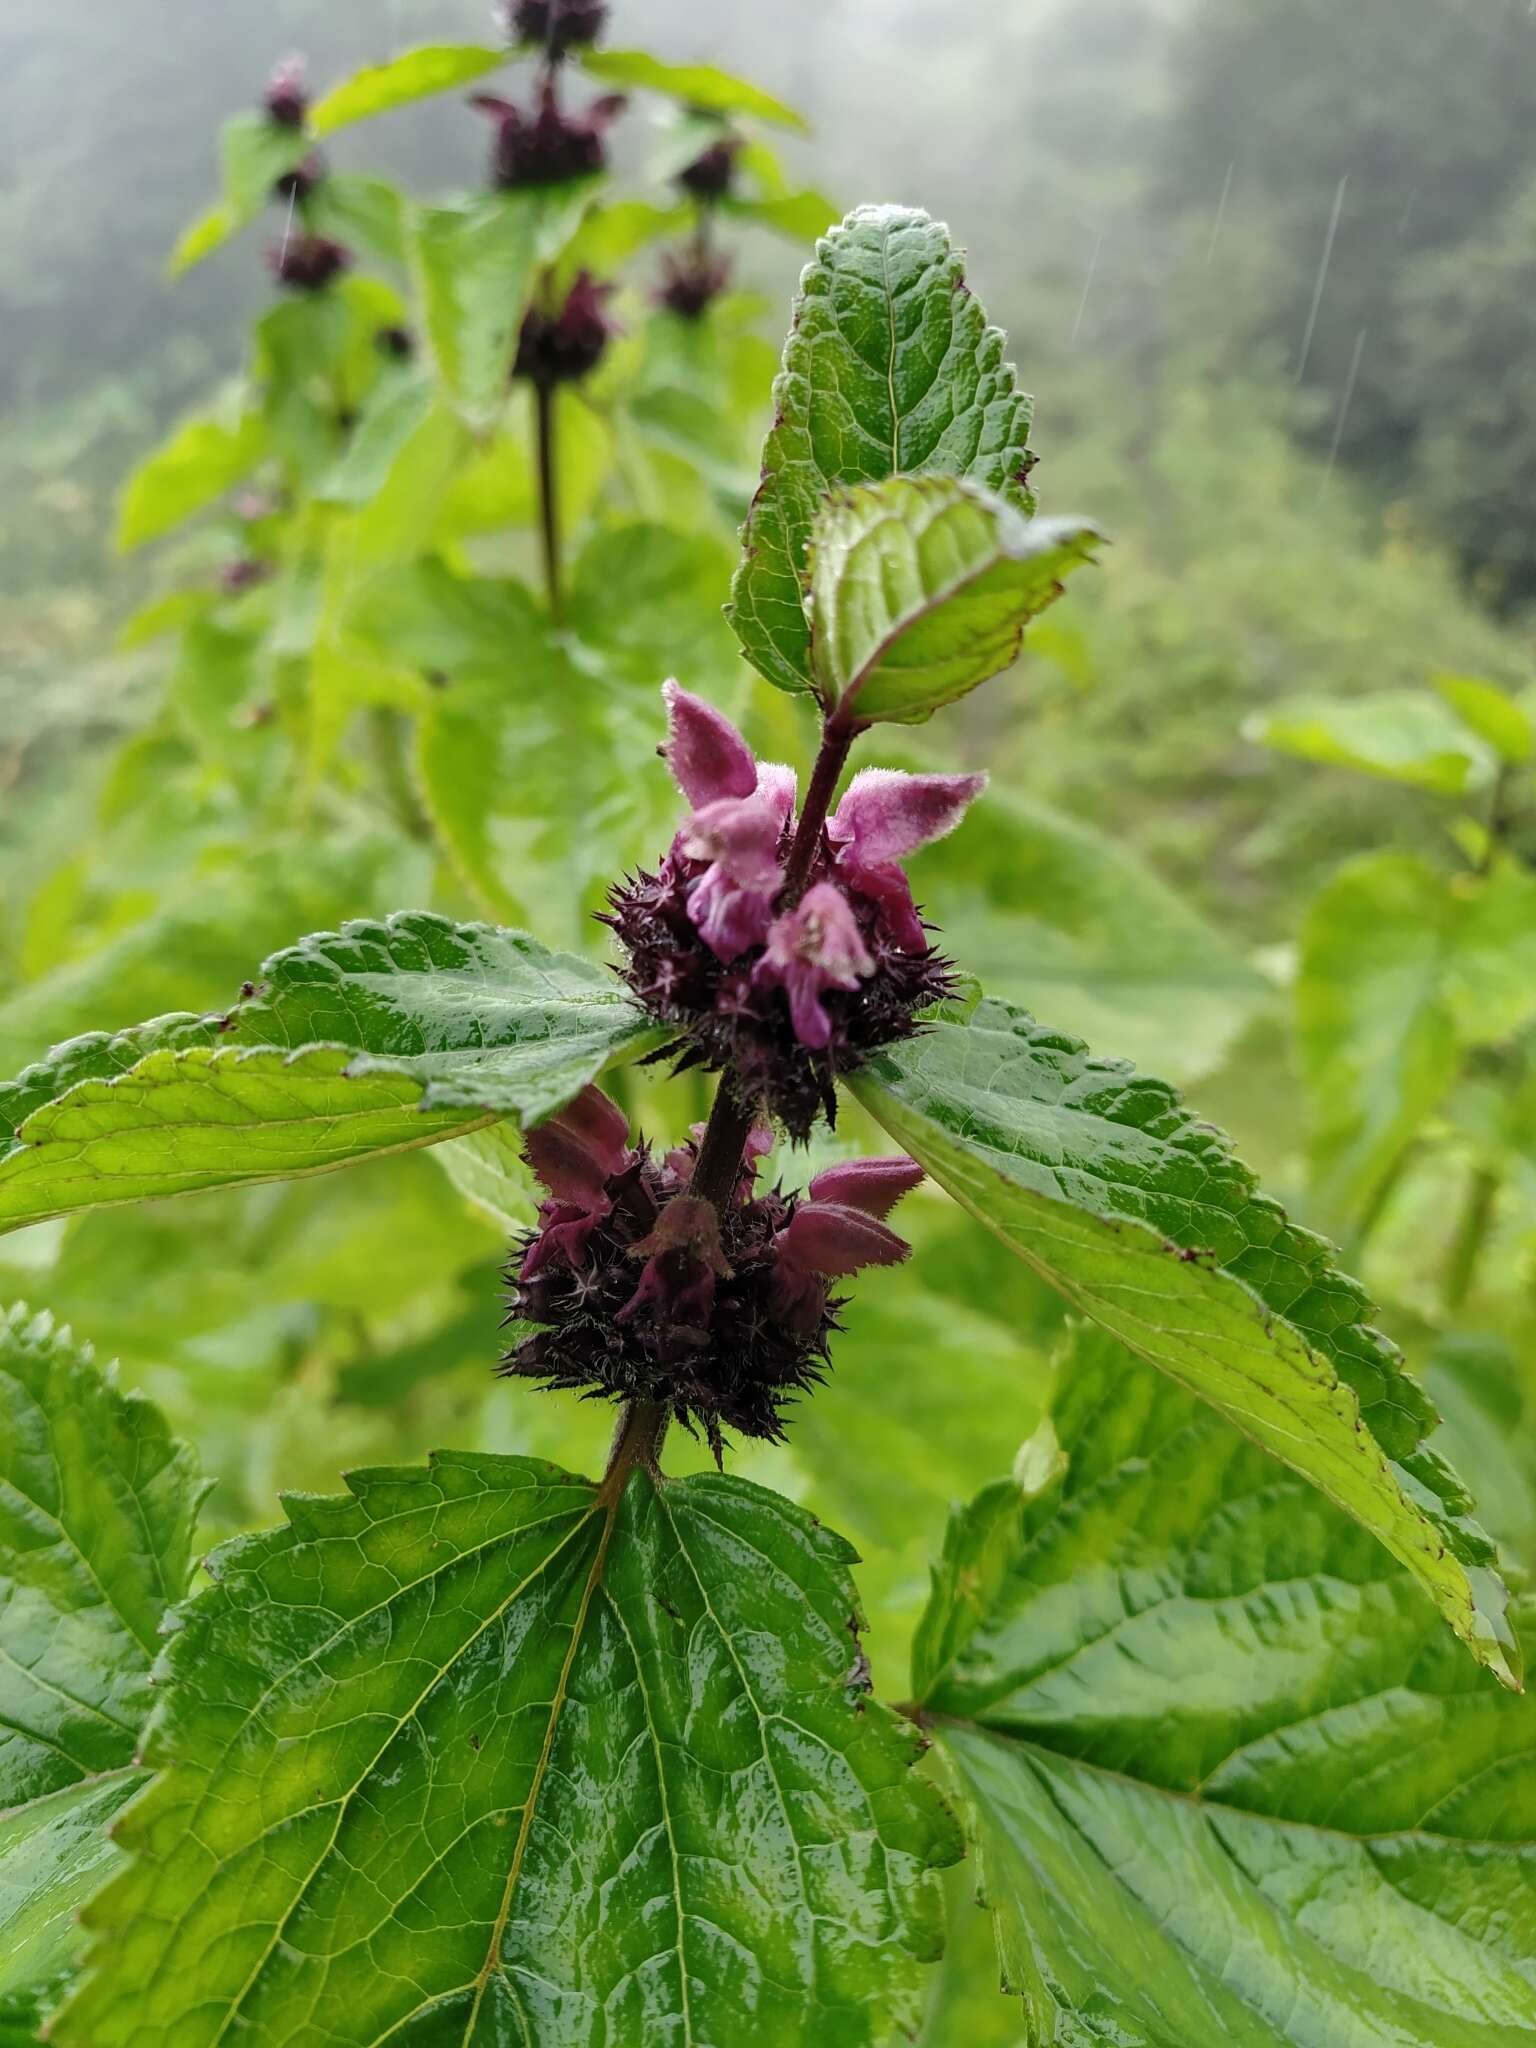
1270	266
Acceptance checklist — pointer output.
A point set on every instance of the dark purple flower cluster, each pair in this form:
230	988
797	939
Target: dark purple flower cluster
550	146
286	99
308	262
642	1291
565	346
713	172
783	995
691	280
560	25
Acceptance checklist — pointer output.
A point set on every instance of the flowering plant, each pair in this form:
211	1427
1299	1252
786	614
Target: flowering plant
485	1750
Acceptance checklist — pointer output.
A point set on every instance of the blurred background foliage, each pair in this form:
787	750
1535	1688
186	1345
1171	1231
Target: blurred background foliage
1270	266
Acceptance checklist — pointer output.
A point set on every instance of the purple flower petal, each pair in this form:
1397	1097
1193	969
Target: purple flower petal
810	949
708	757
886	815
873	1185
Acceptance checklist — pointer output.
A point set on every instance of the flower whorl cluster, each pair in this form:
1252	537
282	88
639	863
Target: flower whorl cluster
549	146
563	346
639	1290
784	995
559	25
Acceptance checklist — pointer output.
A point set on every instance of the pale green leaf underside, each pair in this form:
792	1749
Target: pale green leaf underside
921	588
701	86
475	267
413	75
472	1757
97	1509
1044	907
1231	1780
1402	735
890	368
1143	1218
1402	968
374	1039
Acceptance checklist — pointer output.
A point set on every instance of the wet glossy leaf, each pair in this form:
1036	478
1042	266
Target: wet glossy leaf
890	369
97	1509
413	75
1143	1218
375	1039
479	1755
1231	1780
921	588
1404	735
701	86
204	457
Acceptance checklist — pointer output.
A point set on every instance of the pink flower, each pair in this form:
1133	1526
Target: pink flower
839	1229
814	947
575	1154
740	812
885	816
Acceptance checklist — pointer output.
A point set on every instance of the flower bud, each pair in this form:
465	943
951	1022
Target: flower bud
550	147
560	25
308	263
564	347
691	282
710	176
286	100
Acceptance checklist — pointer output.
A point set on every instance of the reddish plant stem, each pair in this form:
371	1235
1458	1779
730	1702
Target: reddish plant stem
549	493
836	740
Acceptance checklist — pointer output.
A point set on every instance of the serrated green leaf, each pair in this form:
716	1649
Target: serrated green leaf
1491	714
1141	1216
701	86
203	459
890	369
414	75
1231	1781
1045	907
1402	735
483	1753
377	1038
98	1505
921	588
475	267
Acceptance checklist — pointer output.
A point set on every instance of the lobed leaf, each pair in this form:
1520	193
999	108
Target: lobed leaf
377	1038
483	1753
1230	1779
98	1506
414	75
1142	1217
890	369
921	588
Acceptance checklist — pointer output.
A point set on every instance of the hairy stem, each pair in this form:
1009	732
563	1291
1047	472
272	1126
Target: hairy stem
1471	1235
723	1148
836	741
549	493
636	1442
